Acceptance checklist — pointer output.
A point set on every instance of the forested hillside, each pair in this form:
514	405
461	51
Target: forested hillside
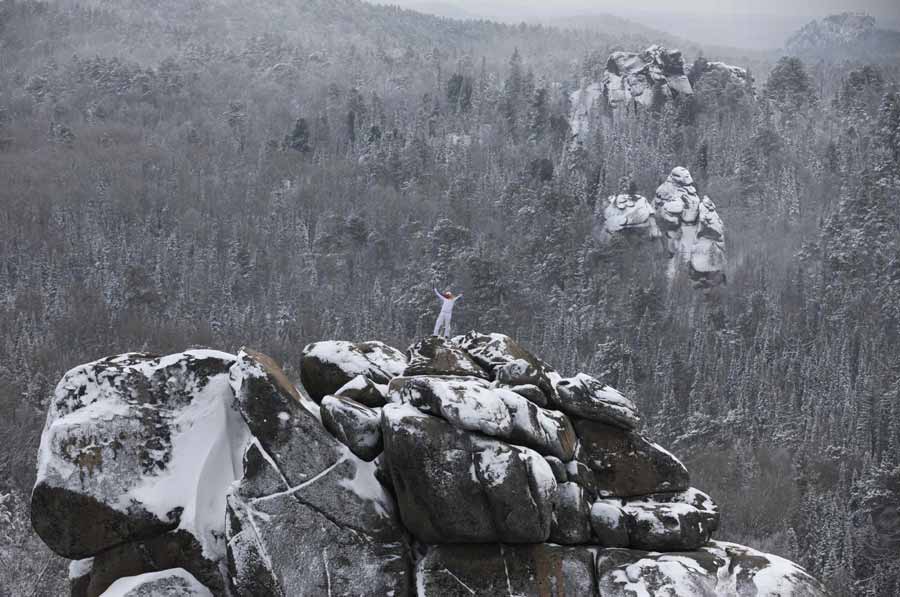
271	174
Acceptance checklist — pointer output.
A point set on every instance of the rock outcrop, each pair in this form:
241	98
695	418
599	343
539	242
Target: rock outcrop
644	79
475	469
656	74
689	226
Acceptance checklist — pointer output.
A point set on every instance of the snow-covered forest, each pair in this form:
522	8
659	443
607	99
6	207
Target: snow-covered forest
272	173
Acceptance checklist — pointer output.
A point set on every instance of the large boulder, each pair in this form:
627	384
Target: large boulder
138	445
306	506
453	486
654	75
493	351
356	426
572	515
691	227
327	366
609	524
713	571
625	464
176	582
177	549
543	570
437	355
664	521
624	213
707	258
473	404
585	397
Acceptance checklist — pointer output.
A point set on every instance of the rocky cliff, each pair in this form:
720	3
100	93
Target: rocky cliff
646	78
459	467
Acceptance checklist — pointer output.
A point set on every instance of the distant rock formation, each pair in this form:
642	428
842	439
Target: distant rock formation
846	35
655	73
484	472
690	227
653	76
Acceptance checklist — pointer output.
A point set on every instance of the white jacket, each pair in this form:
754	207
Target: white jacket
447	304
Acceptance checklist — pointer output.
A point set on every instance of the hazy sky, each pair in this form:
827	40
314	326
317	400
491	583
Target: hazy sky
889	9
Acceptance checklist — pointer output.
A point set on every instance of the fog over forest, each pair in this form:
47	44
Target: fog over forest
662	241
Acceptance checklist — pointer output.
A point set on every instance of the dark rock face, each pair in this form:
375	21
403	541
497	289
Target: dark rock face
326	366
436	355
354	425
585	397
572	517
456	487
285	429
608	524
363	390
526	570
280	496
626	464
177	549
327	497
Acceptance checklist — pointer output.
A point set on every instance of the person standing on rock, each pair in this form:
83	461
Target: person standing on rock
447	302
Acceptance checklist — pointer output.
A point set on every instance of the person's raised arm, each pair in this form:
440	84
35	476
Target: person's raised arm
438	294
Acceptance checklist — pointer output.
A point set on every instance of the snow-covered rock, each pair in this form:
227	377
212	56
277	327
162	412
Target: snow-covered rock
493	351
327	366
666	521
305	505
298	512
453	486
356	426
715	570
436	355
583	396
691	227
472	404
641	76
734	74
626	464
609	524
169	583
138	445
625	213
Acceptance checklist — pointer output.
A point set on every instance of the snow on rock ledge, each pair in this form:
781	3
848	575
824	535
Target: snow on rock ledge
138	445
171	583
715	570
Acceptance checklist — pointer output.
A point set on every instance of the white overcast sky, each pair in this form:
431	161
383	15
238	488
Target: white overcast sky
878	8
887	8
